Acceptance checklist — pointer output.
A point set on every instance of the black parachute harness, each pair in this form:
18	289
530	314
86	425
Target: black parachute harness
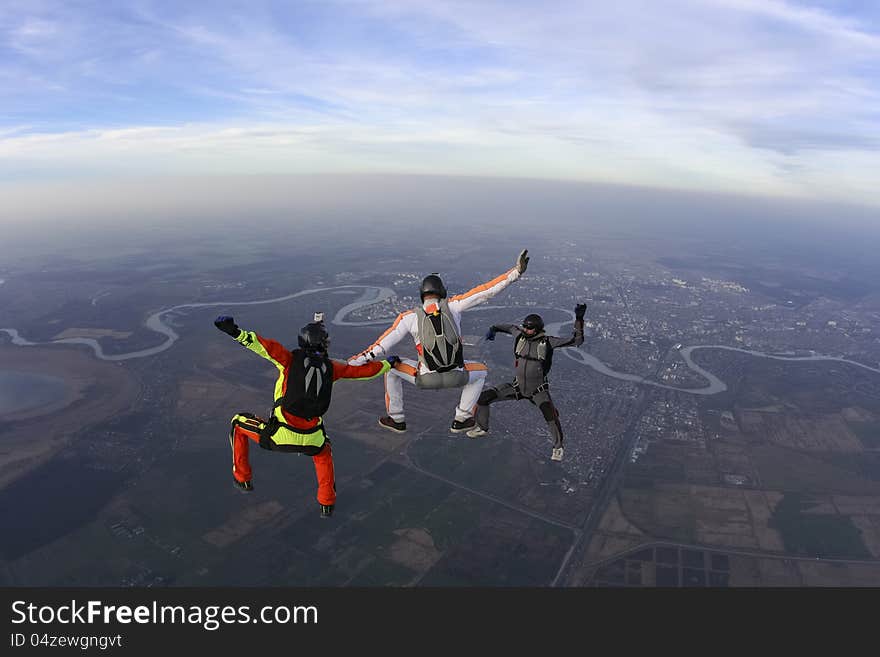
541	388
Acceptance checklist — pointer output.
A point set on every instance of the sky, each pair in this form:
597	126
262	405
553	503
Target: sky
763	97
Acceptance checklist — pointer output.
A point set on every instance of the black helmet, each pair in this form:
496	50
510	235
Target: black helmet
432	285
533	321
314	337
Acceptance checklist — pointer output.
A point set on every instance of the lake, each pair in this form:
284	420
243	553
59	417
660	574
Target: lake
21	391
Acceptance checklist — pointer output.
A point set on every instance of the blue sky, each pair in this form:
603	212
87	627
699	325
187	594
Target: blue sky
751	96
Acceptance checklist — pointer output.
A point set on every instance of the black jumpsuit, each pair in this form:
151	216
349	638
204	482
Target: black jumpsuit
531	376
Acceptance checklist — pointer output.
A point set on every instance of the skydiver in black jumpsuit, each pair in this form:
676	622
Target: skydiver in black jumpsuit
533	350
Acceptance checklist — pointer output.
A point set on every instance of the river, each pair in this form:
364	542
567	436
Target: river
373	295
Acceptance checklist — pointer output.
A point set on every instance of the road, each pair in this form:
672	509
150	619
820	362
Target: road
407	461
760	554
608	487
607	490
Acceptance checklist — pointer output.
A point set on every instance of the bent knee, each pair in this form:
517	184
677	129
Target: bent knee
487	397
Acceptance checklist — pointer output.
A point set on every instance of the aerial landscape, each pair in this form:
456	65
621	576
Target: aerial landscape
722	421
702	177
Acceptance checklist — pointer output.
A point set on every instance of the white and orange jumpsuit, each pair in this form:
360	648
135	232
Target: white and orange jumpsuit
407	323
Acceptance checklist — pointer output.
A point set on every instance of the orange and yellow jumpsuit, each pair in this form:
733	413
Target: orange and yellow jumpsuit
285	431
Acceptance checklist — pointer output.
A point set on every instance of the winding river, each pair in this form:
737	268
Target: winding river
373	295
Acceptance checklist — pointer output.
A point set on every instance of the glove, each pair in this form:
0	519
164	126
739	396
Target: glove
490	334
522	261
393	360
227	325
579	310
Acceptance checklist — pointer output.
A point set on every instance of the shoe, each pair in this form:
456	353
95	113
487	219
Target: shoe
326	510
458	427
557	454
243	486
388	422
476	432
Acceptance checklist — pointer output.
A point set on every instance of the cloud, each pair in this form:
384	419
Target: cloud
730	94
791	141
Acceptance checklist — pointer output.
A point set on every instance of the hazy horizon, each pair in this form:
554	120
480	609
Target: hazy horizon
207	195
292	212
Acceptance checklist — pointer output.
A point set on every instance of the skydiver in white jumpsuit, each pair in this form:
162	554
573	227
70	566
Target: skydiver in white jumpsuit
435	327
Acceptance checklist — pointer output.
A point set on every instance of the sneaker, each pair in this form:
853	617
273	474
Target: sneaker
326	510
476	432
243	486
458	427
388	422
557	454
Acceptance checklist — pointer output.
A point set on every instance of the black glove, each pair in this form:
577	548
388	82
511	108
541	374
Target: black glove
393	360
522	261
227	325
490	334
579	310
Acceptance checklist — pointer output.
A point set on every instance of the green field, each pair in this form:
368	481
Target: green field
818	535
867	432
